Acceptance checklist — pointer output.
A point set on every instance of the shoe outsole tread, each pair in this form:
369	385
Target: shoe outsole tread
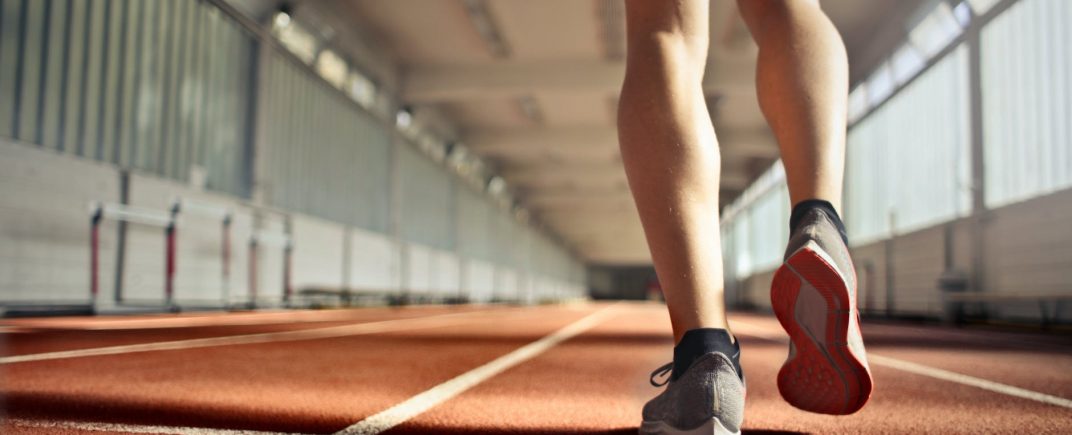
824	374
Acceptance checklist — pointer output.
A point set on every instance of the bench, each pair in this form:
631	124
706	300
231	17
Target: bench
347	296
957	300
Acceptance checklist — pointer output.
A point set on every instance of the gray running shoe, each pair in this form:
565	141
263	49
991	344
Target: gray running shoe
814	297
708	398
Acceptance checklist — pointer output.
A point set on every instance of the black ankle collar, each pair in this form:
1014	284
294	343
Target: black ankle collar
701	341
803	207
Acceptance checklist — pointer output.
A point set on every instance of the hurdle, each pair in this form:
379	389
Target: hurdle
277	239
226	217
99	212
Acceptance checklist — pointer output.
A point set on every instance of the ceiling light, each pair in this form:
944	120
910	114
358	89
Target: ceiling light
485	26
404	118
531	109
282	19
496	185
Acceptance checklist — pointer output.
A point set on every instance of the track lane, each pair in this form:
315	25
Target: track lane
29	336
314	386
901	403
596	383
593	383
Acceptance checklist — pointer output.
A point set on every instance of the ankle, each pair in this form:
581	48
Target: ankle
698	342
802	208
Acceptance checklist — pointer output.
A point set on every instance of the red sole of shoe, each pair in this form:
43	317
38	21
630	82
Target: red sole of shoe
811	300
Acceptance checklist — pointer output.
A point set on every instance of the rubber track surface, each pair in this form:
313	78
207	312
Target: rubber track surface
595	382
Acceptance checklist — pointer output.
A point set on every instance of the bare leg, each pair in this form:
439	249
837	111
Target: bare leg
802	81
671	155
802	84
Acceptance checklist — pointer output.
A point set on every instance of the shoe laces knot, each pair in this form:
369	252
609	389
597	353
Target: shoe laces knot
661	372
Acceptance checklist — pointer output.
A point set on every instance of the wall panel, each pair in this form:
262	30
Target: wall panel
45	221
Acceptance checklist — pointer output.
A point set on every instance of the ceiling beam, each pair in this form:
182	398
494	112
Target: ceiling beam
747	143
567	139
618	201
558	184
578	173
602	140
515	79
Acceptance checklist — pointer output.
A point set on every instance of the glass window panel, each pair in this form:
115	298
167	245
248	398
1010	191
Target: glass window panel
858	104
111	65
362	90
148	103
130	75
89	117
880	85
9	62
27	94
982	6
907	162
298	40
55	73
169	50
76	66
906	63
332	68
184	89
1026	100
937	29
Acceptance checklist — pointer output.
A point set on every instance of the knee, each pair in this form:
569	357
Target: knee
660	33
667	52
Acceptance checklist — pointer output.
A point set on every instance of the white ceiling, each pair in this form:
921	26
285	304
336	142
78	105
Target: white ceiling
565	58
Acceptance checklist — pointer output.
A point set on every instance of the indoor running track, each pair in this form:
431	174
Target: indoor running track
487	369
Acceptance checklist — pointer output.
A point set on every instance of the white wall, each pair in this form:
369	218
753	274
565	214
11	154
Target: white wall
44	245
374	261
447	270
44	225
507	285
318	253
480	280
418	269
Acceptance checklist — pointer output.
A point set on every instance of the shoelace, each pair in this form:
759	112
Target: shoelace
663	371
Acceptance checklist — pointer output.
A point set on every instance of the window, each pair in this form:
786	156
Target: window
293	36
332	68
938	28
362	90
858	106
1027	95
908	164
981	7
906	63
880	85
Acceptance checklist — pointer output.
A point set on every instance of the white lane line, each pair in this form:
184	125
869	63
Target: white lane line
132	428
422	402
920	369
946	375
267	337
170	321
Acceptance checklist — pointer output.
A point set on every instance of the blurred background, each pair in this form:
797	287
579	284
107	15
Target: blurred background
210	154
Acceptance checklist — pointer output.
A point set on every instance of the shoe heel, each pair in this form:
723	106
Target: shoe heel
822	374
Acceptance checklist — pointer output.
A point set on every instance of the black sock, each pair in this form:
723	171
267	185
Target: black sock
803	207
701	341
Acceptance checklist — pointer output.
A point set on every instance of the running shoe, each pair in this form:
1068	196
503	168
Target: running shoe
707	398
814	298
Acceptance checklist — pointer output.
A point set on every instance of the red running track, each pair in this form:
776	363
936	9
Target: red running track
324	371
